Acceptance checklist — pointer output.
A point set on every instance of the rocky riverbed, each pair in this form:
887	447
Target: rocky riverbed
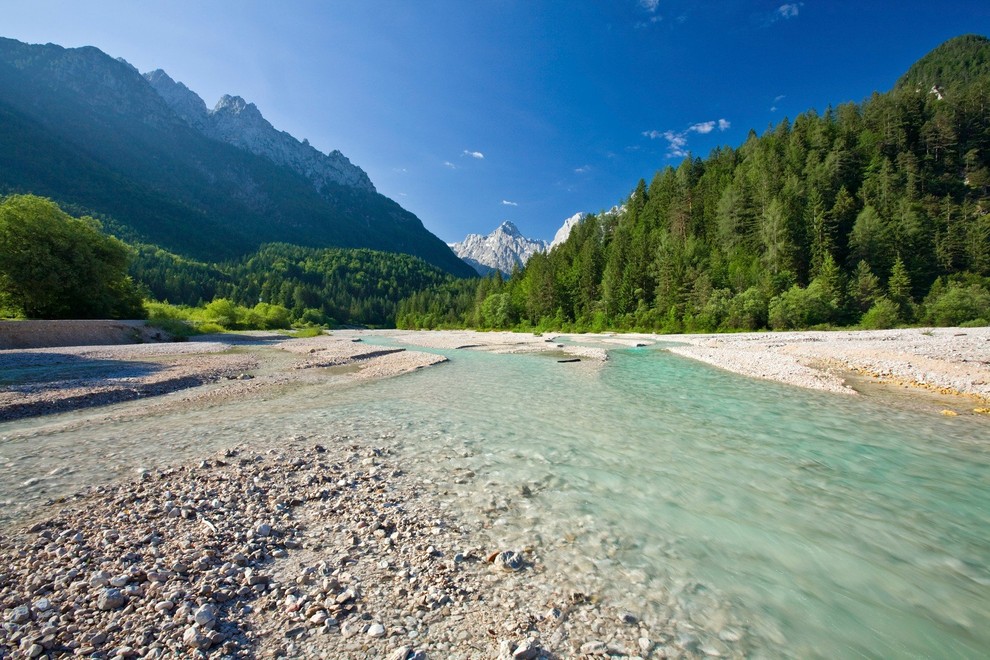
320	548
43	381
949	361
323	545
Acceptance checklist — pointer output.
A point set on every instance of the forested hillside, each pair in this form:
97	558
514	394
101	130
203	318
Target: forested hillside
329	286
873	213
91	133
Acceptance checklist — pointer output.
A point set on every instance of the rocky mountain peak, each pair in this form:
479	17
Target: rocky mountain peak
237	106
508	229
565	230
183	101
240	123
504	249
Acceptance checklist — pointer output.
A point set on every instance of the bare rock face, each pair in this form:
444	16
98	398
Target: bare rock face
565	230
237	122
503	249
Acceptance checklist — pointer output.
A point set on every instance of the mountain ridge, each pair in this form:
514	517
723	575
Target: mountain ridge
90	131
240	123
504	249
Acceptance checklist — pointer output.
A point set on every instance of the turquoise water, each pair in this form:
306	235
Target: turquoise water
743	515
810	524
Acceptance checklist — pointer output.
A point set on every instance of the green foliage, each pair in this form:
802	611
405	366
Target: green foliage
801	308
218	315
899	290
281	285
884	313
819	221
309	331
957	303
864	289
55	266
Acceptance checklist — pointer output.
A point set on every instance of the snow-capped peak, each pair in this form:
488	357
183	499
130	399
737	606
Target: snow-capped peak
504	249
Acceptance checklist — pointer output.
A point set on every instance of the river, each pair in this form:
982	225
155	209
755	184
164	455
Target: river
740	514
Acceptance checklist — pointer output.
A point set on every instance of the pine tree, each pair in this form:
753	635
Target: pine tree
899	289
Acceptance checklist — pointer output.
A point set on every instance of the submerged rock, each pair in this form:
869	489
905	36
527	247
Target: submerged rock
508	560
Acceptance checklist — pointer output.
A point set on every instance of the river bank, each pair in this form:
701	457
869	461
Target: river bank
327	543
951	362
40	381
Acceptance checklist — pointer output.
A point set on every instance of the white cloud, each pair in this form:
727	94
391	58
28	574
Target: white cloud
474	154
584	169
650	6
790	10
399	170
506	202
450	164
677	140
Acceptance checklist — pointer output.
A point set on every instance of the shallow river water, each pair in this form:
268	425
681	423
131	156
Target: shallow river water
743	514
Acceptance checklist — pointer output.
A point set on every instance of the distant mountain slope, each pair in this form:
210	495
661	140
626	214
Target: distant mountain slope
504	249
88	130
237	122
565	230
957	64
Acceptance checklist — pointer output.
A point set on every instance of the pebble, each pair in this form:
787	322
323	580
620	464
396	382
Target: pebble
508	560
20	614
110	599
115	574
527	650
194	639
206	616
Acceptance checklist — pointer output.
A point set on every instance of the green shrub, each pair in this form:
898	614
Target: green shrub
956	304
178	329
310	331
884	314
800	308
747	311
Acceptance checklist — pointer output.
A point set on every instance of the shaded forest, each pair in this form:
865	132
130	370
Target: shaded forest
329	286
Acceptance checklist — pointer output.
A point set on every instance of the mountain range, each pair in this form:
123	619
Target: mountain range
505	249
145	155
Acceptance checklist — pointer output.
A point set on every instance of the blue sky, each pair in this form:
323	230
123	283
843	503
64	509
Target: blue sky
471	112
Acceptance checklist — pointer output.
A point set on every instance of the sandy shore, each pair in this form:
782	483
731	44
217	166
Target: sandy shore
324	547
